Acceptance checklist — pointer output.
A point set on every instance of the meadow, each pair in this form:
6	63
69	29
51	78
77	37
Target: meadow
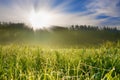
60	53
26	62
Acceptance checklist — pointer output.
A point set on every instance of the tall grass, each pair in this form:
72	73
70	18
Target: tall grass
34	63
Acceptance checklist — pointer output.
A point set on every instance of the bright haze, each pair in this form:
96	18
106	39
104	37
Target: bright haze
40	14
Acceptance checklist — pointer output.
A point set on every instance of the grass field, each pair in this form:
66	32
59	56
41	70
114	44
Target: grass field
24	62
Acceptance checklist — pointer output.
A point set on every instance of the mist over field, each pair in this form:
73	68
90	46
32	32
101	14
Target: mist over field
58	36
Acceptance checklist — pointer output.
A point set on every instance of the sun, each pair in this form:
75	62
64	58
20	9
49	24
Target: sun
41	19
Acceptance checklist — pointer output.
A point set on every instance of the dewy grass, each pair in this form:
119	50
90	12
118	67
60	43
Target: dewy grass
34	63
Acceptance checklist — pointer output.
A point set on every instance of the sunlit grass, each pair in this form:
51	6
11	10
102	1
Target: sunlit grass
34	63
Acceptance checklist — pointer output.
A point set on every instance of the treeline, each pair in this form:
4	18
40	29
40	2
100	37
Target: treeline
20	26
92	28
72	27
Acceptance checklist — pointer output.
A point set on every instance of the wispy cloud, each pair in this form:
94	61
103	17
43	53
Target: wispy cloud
107	8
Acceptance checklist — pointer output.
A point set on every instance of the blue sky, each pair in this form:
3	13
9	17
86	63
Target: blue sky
93	12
